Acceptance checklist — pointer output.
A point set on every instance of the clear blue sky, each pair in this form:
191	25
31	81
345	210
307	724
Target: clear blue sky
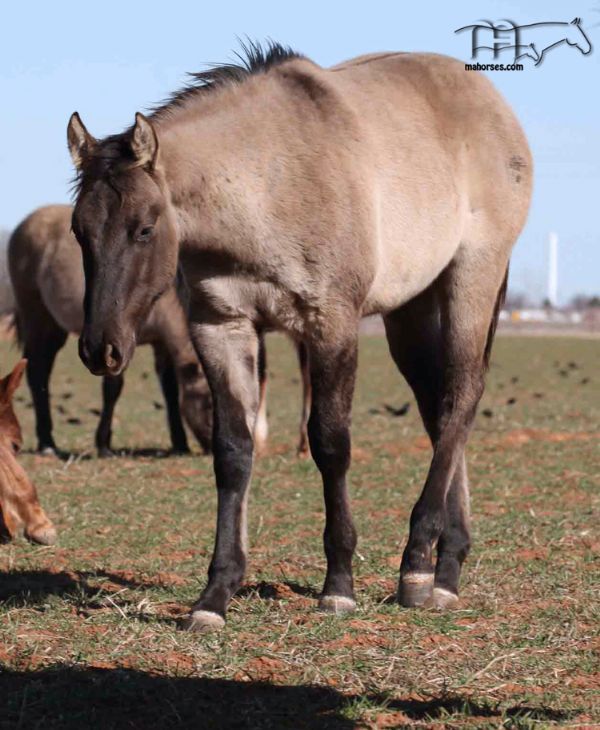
108	59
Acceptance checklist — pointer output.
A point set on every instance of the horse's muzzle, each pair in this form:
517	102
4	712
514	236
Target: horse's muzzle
102	358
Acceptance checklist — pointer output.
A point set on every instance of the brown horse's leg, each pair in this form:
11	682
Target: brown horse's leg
439	341
43	340
167	376
415	342
333	372
261	429
306	398
455	540
229	354
111	390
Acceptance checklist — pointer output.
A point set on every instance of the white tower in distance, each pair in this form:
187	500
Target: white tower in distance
553	269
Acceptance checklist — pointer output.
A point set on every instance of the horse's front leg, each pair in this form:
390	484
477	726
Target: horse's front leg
332	374
229	354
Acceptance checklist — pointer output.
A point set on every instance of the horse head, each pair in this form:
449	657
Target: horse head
577	37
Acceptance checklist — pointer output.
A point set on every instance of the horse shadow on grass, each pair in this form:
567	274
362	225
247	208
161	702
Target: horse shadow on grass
149	452
32	587
273	591
88	591
69	697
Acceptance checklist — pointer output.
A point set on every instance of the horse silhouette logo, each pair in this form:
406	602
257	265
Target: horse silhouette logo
533	40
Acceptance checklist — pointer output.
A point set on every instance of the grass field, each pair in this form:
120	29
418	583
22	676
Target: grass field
88	629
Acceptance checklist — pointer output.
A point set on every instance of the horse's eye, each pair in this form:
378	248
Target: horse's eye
144	233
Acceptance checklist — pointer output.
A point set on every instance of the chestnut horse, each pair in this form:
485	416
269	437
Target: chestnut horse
301	198
19	506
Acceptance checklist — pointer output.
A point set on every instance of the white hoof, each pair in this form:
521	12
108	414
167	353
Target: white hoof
203	621
442	598
42	536
48	451
337	604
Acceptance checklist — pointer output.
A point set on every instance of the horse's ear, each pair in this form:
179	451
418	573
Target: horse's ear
144	142
576	21
81	142
11	382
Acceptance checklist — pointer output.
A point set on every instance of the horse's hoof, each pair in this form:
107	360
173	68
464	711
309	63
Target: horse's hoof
203	622
180	452
415	589
337	604
105	453
42	535
48	451
442	598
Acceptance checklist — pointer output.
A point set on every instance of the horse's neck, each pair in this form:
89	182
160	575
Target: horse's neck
210	155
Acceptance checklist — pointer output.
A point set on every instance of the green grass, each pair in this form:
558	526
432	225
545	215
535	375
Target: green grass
88	629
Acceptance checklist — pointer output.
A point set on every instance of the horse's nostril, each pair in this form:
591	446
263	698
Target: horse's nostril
112	357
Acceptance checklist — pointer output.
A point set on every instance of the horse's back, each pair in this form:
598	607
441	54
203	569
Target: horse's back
448	161
45	264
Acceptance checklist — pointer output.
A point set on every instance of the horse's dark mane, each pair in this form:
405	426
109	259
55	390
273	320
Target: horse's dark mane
253	59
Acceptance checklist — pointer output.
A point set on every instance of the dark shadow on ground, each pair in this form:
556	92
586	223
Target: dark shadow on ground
141	453
75	697
61	455
272	591
31	587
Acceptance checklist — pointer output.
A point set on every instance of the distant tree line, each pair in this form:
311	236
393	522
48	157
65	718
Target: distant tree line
580	302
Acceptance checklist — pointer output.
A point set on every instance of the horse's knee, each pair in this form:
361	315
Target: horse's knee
330	447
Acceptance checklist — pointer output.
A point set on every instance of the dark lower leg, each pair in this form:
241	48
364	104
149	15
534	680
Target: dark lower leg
454	541
40	359
230	362
111	390
228	564
170	388
426	524
306	398
261	427
232	448
332	377
430	515
414	338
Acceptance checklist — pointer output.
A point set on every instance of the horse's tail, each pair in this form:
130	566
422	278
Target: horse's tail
493	324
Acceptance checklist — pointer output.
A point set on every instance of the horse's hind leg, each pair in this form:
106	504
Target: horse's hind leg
111	391
440	342
303	448
43	338
415	342
165	370
261	427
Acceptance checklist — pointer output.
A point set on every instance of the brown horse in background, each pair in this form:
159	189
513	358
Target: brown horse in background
48	280
19	506
45	267
301	198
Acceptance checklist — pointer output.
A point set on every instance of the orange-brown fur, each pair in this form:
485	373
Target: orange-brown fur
19	505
